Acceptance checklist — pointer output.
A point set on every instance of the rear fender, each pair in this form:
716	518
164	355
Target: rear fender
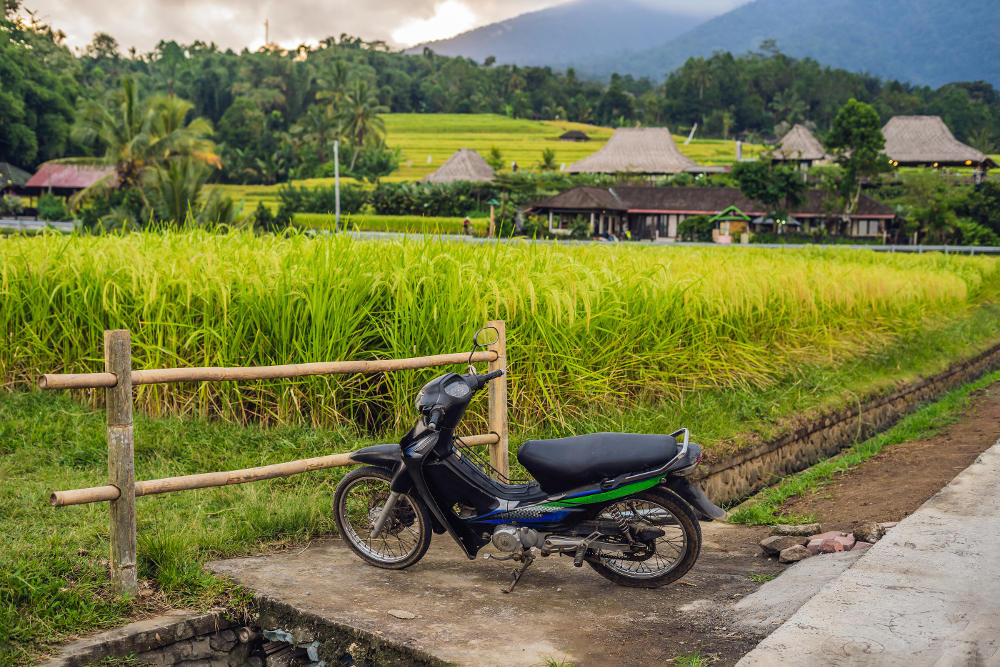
695	497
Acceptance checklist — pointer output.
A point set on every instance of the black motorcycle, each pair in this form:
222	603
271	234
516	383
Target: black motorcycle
618	501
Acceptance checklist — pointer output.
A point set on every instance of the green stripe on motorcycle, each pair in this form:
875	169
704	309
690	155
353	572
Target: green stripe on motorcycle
626	490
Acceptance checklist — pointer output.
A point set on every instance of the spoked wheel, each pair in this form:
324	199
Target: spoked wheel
358	502
668	530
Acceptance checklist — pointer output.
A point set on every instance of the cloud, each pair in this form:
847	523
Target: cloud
240	23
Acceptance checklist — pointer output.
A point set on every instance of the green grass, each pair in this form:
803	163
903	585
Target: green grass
409	224
761	578
53	562
438	136
695	659
617	326
765	507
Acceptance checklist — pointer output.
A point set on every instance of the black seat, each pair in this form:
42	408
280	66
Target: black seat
566	463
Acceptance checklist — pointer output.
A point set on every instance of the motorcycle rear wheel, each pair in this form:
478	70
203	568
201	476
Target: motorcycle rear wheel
357	503
673	554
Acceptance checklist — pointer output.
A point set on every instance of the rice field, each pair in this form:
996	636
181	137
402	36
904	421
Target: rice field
407	224
609	325
427	140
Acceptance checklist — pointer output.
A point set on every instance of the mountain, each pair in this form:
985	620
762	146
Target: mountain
570	32
928	42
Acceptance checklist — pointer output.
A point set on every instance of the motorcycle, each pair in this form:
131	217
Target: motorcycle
619	502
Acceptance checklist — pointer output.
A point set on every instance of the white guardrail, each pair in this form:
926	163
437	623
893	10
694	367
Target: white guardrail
37	225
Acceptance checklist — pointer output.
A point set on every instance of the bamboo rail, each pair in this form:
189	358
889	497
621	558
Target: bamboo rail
118	379
110	492
220	374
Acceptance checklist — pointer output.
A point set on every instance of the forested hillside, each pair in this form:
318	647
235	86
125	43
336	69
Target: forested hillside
930	42
275	113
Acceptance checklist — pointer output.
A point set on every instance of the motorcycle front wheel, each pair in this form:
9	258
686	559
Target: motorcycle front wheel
358	502
669	556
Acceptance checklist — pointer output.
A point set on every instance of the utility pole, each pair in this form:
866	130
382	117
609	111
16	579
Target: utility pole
336	185
267	33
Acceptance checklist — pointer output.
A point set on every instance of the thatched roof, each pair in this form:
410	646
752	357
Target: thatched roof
645	150
799	144
12	176
924	140
574	135
465	165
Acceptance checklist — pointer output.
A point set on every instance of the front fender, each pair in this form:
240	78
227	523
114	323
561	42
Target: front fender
387	456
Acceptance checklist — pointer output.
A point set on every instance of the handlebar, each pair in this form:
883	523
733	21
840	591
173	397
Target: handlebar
493	375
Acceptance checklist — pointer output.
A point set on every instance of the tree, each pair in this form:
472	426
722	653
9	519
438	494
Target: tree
779	188
360	116
495	159
548	162
857	142
138	134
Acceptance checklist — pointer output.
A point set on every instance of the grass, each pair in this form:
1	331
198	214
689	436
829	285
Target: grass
620	327
761	578
427	140
409	224
695	659
765	507
53	566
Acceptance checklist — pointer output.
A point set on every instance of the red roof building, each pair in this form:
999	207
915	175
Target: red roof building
65	179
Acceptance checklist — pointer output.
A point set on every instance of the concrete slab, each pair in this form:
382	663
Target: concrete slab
776	601
557	613
927	594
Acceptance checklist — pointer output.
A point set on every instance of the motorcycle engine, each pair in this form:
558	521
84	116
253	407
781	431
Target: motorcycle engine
511	538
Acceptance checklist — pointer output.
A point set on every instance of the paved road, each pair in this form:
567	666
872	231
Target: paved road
926	594
34	225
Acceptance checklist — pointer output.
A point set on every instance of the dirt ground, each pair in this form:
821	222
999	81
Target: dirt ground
899	479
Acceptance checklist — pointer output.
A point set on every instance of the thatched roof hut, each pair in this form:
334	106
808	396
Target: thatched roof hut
465	165
799	145
645	150
926	140
574	135
12	178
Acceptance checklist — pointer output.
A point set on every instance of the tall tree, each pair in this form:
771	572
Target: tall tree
857	142
360	116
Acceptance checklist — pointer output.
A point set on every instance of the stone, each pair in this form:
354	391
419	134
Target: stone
861	546
400	613
793	554
846	540
223	641
869	531
774	545
804	530
886	525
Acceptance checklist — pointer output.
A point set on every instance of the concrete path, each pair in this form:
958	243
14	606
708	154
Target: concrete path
927	594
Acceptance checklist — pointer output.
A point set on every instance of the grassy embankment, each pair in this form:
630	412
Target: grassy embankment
438	136
409	224
602	338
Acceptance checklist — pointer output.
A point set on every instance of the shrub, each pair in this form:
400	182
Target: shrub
51	207
11	205
695	228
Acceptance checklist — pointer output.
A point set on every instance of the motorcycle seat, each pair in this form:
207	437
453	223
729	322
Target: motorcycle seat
566	463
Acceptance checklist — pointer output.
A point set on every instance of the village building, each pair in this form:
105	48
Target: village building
800	148
574	135
66	180
12	179
925	141
464	165
651	213
640	150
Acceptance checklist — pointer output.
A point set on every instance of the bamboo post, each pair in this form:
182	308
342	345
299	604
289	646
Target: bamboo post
499	457
121	462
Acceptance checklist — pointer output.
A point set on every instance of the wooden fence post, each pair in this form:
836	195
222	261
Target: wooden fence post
499	457
121	461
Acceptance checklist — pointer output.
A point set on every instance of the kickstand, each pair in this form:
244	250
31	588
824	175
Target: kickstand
528	560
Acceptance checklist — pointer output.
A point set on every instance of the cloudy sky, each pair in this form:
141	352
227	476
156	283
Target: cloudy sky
240	23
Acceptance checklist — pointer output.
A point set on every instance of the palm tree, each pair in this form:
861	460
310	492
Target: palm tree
360	115
139	134
702	75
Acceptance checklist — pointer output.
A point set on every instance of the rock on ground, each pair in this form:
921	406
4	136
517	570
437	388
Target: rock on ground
869	531
804	530
793	554
775	544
